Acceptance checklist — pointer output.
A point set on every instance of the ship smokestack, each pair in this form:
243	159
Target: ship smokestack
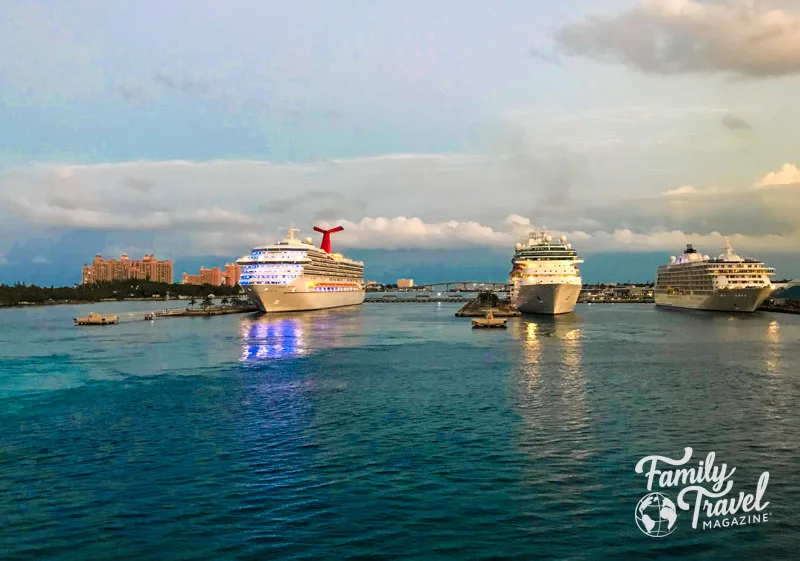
326	237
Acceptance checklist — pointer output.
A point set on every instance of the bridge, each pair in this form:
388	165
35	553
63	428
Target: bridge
464	286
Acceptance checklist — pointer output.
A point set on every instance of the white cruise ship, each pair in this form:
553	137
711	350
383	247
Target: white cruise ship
545	278
293	275
727	283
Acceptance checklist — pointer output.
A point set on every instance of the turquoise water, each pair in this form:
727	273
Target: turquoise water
387	431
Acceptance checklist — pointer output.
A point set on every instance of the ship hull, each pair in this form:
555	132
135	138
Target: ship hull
549	299
282	298
736	300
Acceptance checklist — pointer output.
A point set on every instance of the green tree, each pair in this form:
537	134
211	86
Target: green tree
206	302
192	302
488	299
224	300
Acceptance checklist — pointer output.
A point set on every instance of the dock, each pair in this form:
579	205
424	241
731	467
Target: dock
477	309
97	319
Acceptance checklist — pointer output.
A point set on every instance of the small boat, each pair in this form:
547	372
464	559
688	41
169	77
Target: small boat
488	322
97	319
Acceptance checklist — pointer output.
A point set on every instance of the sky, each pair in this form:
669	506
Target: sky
436	130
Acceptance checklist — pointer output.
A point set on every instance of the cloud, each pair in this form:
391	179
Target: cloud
3	260
682	190
191	88
135	95
395	201
141	185
740	37
788	175
735	123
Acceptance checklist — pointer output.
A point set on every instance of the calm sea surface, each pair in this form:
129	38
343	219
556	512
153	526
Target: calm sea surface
388	431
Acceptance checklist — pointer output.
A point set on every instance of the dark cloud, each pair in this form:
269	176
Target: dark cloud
134	95
191	88
140	185
740	37
735	123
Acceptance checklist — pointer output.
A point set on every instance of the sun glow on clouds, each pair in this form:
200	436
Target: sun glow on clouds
788	175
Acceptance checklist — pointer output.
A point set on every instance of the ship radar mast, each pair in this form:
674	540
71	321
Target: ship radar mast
292	232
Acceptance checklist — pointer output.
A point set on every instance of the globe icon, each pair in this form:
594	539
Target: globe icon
656	515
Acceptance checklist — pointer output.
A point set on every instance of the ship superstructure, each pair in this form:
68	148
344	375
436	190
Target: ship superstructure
293	275
545	278
725	283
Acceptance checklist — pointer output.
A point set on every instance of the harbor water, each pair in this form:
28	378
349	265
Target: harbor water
388	432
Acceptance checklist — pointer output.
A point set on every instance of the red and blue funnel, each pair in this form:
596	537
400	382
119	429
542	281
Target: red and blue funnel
326	237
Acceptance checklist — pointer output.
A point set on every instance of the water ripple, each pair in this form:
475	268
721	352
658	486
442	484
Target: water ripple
388	432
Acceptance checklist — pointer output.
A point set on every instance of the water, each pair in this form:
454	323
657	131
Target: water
389	431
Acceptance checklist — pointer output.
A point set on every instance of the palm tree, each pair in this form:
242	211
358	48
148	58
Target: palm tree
192	302
206	302
224	300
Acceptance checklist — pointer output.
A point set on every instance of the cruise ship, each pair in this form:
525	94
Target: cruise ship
545	278
293	275
727	283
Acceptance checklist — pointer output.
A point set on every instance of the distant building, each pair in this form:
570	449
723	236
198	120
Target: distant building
214	276
106	270
211	276
232	273
372	283
405	283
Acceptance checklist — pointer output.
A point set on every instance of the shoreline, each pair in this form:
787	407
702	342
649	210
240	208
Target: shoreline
82	302
100	301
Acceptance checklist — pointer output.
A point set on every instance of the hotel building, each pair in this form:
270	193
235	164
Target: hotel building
214	276
106	270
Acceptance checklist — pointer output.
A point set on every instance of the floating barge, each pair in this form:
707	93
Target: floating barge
489	322
97	319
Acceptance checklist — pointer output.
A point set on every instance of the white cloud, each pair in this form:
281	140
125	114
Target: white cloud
428	201
789	174
742	37
682	190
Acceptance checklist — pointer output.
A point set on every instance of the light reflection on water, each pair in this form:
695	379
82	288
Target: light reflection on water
550	394
772	350
272	337
267	337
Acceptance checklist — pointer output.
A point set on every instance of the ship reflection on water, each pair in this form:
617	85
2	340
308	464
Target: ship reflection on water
267	337
273	337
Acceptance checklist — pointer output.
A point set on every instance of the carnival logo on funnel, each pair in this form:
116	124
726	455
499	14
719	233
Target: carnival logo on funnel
705	490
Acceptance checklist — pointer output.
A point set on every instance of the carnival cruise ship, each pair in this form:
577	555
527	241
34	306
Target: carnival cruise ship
292	275
727	283
545	278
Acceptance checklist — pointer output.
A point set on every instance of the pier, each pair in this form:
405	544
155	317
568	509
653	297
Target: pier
174	312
